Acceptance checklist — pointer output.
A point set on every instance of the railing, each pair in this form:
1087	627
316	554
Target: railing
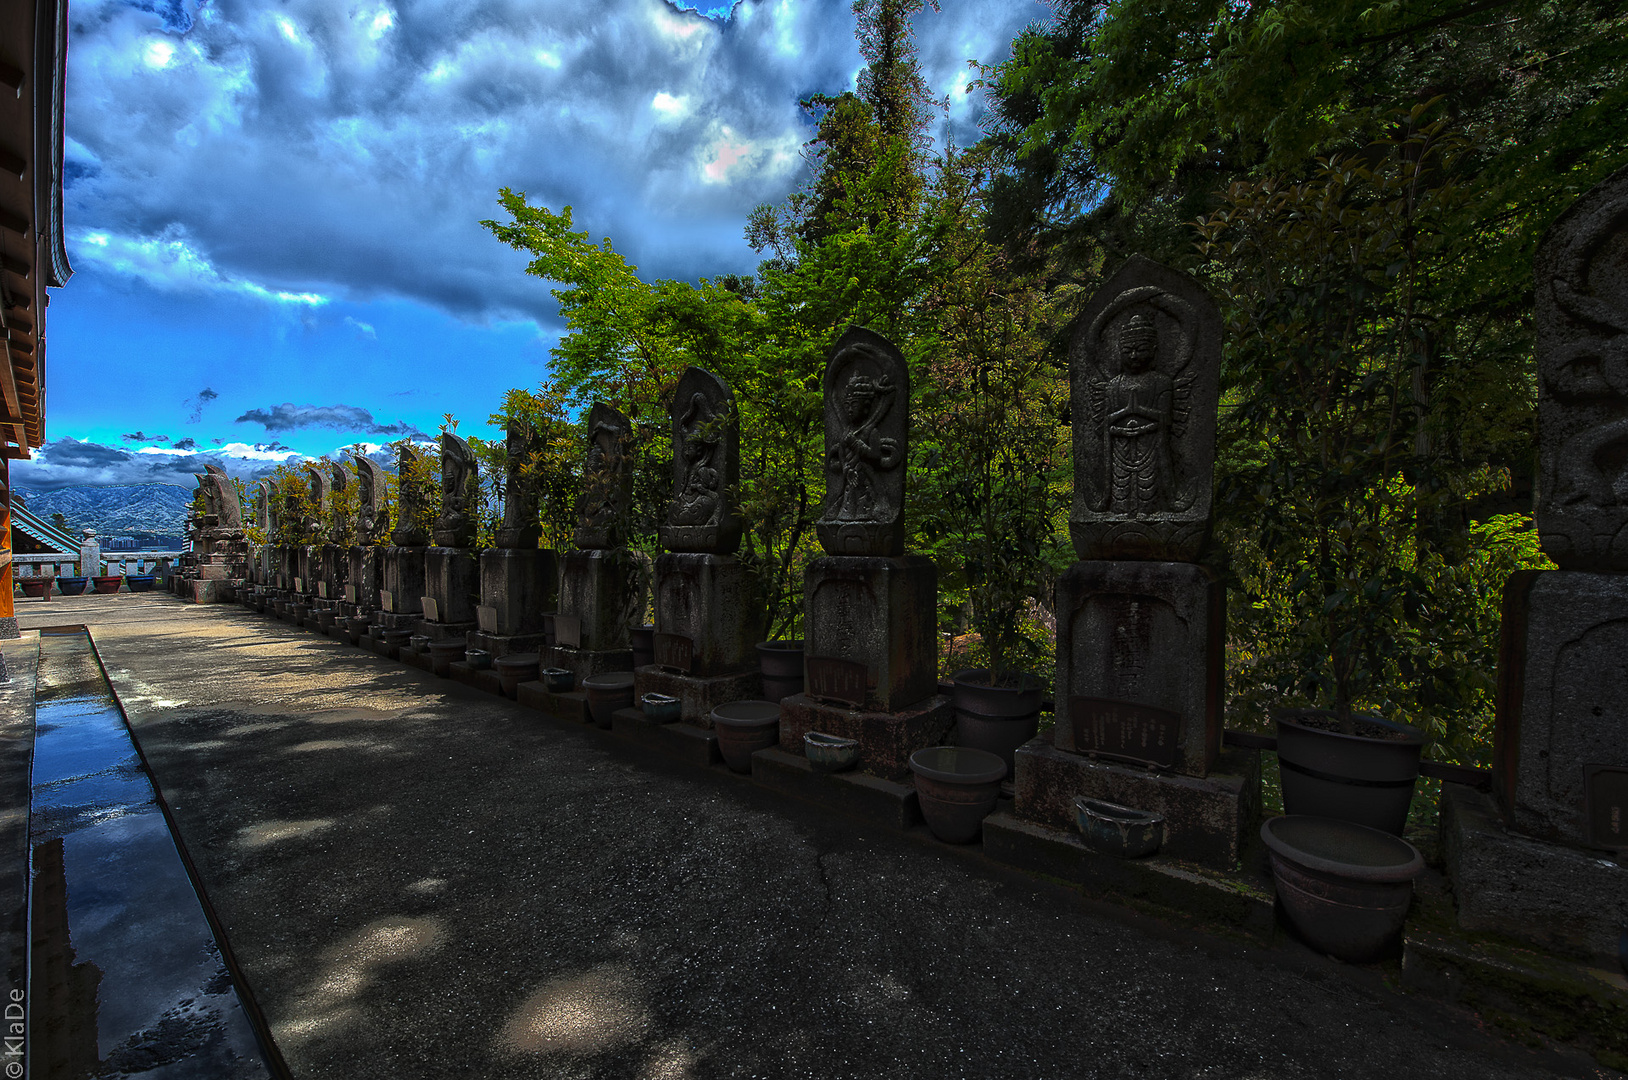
117	562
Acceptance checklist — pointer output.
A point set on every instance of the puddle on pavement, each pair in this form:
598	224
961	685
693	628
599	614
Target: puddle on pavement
125	976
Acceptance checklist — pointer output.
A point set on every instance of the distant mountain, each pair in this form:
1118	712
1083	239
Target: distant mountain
118	510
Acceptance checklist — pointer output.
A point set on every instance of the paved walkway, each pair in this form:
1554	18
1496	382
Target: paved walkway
421	880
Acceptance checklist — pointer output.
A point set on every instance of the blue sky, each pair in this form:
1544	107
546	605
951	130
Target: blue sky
272	208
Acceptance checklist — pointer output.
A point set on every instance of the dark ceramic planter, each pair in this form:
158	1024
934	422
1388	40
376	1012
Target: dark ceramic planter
559	680
325	620
397	639
1344	887
643	640
830	753
36	587
661	708
302	614
973	694
72	586
1117	830
781	665
607	692
744	728
957	787
477	659
443	654
1355	778
418	643
108	583
356	629
514	669
376	631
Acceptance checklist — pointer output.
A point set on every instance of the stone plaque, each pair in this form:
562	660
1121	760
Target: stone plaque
867	429
1581	317
431	608
1607	806
608	478
350	594
322	590
706	467
676	652
834	679
568	631
299	584
1125	731
486	618
1144	372
387	602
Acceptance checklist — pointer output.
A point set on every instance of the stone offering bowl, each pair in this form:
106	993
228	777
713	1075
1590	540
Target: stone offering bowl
830	753
1345	887
418	643
661	708
607	692
356	628
559	680
1117	830
478	659
744	728
957	787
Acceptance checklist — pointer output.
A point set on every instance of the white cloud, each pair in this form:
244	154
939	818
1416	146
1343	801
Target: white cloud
158	53
670	107
171	264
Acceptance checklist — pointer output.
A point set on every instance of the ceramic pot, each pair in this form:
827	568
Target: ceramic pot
418	643
957	787
300	613
559	680
972	693
661	708
514	669
607	692
397	640
108	583
744	728
72	586
1357	778
781	665
444	653
325	619
643	640
830	753
1344	887
37	587
477	659
1117	830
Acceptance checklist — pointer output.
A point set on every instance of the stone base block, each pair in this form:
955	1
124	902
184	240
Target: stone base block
403	580
681	741
1237	899
401	621
516	587
585	662
207	590
452	583
698	695
1569	901
859	795
715	601
413	659
886	740
442	631
500	645
604	590
571	707
1206	818
881	613
480	678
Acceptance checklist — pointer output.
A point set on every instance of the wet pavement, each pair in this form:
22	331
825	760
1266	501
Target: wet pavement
421	880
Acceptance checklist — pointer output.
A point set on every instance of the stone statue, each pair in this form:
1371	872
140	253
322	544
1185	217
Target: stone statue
369	500
339	481
460	494
319	504
867	428
410	500
607	479
1581	273
706	466
1145	370
220	498
520	528
265	515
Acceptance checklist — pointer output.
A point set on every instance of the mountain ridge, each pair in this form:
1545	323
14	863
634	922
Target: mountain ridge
116	509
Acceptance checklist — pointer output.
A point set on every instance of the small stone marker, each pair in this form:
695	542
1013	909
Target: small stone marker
431	609
568	631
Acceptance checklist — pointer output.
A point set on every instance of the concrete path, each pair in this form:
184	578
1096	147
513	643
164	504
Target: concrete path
421	880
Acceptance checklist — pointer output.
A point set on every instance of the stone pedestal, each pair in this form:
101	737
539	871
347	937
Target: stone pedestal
365	578
516	587
709	619
335	572
451	591
586	662
1206	818
1139	663
1561	741
879	612
886	739
599	587
403	592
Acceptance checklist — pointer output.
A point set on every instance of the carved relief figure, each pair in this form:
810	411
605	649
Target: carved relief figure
1581	282
319	504
460	493
606	478
265	514
220	497
340	481
369	499
410	500
706	465
520	528
867	393
1145	365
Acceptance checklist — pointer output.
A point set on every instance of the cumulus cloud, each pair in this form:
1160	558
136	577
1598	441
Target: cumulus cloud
291	417
70	462
187	444
141	436
197	402
314	150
